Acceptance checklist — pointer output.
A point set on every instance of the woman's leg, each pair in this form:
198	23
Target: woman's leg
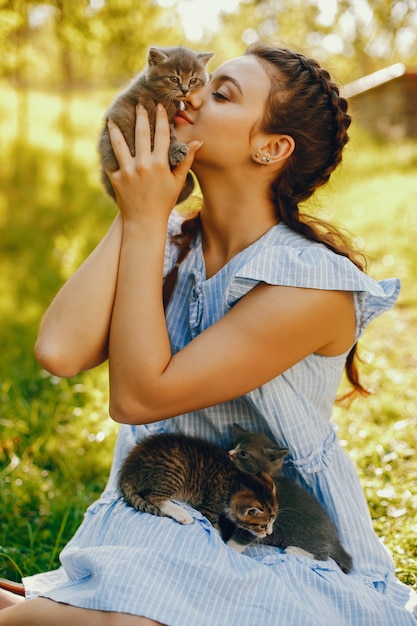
44	612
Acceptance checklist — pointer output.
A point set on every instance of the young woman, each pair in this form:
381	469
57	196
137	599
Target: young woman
266	307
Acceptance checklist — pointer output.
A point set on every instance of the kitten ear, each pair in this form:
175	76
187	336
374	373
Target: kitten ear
276	456
254	512
156	56
205	57
238	430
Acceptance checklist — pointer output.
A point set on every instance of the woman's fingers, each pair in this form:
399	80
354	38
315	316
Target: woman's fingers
146	180
118	142
142	134
143	150
162	133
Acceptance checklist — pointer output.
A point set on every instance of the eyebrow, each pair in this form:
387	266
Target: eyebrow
226	78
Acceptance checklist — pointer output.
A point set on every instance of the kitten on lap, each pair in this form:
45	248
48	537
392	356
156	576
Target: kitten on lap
234	490
302	526
172	466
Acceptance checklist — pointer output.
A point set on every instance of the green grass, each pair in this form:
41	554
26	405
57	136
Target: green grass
56	436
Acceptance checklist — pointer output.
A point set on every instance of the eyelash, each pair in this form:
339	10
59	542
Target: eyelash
219	96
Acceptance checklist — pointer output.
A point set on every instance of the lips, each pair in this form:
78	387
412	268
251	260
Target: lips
182	118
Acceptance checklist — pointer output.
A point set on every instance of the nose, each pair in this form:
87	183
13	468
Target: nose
195	98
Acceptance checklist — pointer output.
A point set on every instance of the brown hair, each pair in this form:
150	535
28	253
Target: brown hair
304	103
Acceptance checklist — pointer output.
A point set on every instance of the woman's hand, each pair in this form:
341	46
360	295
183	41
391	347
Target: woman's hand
144	184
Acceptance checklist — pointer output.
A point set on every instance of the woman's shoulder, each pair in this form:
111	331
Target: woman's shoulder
286	258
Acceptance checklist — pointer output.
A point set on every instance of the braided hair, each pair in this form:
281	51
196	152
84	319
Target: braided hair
304	103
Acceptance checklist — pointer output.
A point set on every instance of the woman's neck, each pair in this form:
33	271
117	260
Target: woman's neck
232	219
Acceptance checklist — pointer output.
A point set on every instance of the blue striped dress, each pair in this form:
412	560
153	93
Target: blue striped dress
122	560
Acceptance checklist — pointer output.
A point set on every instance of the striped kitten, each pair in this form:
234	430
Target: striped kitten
171	466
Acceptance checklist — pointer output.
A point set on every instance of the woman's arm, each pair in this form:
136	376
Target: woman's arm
74	331
271	329
268	331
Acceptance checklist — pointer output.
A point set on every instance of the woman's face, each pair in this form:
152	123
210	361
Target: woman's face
226	113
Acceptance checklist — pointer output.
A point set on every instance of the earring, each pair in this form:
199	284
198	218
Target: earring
262	157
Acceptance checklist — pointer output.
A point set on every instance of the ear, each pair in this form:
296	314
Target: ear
238	430
254	512
276	147
156	56
276	454
205	57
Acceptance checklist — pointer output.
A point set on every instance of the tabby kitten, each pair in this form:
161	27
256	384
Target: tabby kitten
171	74
302	525
173	466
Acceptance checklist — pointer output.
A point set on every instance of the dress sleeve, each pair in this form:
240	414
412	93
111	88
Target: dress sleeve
314	266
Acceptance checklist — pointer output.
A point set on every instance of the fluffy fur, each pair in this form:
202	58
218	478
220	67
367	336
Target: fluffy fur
302	525
170	467
171	74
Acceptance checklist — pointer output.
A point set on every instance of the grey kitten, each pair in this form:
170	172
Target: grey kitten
171	74
302	525
173	466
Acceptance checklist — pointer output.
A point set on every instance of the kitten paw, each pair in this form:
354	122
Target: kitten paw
177	154
170	509
236	546
298	551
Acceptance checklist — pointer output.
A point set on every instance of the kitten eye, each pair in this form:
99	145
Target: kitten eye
219	96
243	454
263	526
193	81
174	79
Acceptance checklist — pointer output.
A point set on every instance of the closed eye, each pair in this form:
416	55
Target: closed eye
219	96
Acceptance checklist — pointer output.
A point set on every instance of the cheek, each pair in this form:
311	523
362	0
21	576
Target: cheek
225	137
229	138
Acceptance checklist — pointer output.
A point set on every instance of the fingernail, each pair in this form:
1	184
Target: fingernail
160	106
110	122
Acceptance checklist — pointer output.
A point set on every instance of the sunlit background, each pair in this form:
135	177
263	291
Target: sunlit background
61	63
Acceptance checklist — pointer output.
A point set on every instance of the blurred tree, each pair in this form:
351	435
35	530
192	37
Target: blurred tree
127	29
356	36
14	36
80	43
103	42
